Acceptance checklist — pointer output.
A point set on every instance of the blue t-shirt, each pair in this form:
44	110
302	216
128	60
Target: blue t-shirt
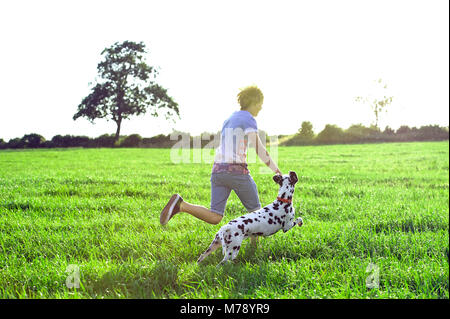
234	140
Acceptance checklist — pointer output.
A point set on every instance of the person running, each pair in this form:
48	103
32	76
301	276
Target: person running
230	171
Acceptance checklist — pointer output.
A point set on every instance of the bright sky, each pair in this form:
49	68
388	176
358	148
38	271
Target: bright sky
310	58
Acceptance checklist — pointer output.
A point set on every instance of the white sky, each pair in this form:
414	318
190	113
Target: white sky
310	58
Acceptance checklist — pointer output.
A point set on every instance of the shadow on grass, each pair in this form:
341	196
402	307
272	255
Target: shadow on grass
167	279
245	280
156	281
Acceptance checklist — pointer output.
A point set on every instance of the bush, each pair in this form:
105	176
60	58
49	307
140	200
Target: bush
70	141
425	133
15	143
3	144
299	139
47	144
133	140
359	133
404	129
59	141
433	133
104	140
331	134
388	131
160	140
32	140
80	141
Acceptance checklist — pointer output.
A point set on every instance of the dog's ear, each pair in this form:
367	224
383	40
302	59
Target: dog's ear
278	179
293	178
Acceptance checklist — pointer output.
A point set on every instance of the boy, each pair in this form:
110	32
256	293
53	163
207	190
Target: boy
230	171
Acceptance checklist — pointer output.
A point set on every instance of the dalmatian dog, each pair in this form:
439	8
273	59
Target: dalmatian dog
263	222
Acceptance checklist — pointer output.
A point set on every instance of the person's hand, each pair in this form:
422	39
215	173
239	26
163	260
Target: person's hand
278	172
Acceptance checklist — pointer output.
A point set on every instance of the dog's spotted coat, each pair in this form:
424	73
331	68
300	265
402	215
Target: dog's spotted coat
263	222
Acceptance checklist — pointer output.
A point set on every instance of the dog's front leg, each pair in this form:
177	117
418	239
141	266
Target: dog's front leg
298	221
291	223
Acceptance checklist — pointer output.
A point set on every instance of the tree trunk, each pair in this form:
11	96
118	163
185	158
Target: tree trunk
116	137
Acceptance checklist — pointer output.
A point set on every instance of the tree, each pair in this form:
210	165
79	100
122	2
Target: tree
126	88
305	135
306	131
331	134
378	101
32	140
404	129
388	131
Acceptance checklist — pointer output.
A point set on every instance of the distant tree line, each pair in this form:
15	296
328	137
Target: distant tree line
358	133
134	140
331	134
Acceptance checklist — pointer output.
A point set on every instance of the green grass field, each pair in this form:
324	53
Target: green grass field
380	205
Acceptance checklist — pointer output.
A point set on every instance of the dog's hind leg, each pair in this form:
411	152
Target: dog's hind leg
226	258
254	241
235	252
231	250
216	243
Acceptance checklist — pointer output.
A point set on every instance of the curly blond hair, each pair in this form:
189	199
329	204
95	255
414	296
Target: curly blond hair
249	96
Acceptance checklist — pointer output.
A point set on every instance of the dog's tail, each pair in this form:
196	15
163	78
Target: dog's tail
214	245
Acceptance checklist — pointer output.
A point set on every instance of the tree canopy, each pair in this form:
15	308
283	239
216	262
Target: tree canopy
378	102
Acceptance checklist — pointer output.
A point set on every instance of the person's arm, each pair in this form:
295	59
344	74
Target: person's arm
262	153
